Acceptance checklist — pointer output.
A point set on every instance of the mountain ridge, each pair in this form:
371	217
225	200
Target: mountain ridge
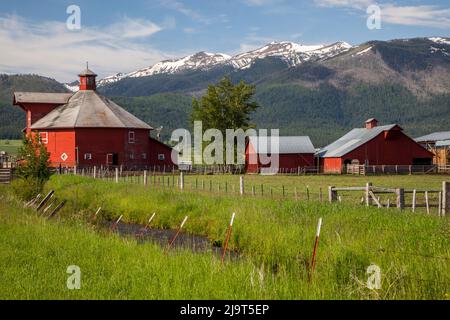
292	53
403	81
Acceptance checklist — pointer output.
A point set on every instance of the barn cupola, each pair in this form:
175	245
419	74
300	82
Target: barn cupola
87	79
371	123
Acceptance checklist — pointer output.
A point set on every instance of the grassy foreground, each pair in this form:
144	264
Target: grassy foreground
10	146
275	239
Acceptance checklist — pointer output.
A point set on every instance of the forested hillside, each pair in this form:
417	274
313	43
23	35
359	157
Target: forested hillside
12	118
400	81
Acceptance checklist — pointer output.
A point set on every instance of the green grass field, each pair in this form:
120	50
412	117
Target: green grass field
300	187
274	238
10	146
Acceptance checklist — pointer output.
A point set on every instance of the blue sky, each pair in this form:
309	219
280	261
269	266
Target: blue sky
122	36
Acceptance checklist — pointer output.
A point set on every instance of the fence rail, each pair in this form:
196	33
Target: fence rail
5	176
395	169
421	198
442	202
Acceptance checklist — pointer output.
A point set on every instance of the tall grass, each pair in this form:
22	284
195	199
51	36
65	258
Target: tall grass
276	236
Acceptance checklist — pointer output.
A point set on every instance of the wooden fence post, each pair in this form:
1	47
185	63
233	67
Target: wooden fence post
400	198
332	194
427	202
368	199
95	172
117	175
145	177
414	200
241	185
440	204
181	180
74	170
445	198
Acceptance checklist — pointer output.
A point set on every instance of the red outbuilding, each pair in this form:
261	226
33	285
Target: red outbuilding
293	153
87	129
372	146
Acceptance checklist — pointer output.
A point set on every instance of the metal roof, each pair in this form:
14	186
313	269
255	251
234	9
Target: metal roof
40	97
88	109
443	143
435	136
87	72
352	140
287	145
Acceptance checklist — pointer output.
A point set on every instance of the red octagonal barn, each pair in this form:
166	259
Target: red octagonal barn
87	129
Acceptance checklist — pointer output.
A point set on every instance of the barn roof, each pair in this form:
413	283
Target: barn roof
287	144
443	143
88	109
40	97
87	72
352	140
435	136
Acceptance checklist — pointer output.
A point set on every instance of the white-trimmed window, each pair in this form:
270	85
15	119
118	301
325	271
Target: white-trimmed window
88	156
132	156
161	156
44	137
131	137
144	156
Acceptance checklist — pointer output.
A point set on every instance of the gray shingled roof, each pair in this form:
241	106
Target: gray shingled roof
435	136
41	97
352	140
88	109
287	145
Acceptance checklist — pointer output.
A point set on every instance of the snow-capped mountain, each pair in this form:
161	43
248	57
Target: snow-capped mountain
199	61
440	40
290	52
111	79
73	86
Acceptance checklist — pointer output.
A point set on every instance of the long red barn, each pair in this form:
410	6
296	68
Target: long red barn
373	145
87	129
294	152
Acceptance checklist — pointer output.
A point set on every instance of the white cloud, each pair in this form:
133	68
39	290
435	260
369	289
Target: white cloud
183	9
418	15
134	28
51	49
356	4
258	3
426	16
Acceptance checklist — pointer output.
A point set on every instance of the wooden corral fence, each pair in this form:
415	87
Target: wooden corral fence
394	169
5	176
7	161
372	196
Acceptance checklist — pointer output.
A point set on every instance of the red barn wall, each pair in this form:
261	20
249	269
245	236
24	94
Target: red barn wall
100	142
36	111
251	159
331	165
61	141
293	161
155	149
